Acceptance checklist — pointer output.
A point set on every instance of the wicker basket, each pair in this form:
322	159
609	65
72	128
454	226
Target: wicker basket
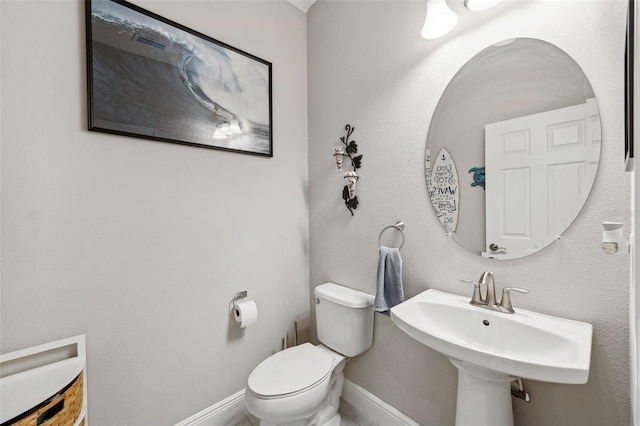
63	409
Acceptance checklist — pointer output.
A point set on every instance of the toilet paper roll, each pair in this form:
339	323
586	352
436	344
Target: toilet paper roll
246	313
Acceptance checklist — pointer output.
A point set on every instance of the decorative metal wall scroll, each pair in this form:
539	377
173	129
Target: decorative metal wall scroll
349	150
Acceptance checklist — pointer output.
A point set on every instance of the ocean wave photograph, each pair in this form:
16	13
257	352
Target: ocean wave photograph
152	78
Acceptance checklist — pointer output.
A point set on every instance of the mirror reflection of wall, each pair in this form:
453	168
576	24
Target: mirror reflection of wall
522	79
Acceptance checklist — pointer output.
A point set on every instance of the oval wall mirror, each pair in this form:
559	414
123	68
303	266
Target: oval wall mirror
513	148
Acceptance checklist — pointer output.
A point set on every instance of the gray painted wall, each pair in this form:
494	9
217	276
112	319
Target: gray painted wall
369	67
139	244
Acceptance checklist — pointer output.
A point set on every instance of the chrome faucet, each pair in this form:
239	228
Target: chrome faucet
489	300
490	296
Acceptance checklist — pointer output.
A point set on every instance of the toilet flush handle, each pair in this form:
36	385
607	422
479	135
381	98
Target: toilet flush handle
317	301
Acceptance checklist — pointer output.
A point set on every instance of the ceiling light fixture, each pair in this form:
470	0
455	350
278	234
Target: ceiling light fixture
439	19
477	5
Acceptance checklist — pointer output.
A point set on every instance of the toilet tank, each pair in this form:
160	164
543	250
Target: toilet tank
344	318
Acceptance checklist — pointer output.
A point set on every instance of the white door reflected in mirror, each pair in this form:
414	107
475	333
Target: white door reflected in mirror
538	172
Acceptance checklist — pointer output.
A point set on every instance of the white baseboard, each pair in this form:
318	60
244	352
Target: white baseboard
373	407
361	399
220	413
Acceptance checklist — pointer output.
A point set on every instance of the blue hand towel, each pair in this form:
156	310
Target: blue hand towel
389	292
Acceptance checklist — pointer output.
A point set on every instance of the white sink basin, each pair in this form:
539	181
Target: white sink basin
525	344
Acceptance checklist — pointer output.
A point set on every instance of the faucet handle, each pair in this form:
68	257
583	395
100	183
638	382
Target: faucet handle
505	302
476	297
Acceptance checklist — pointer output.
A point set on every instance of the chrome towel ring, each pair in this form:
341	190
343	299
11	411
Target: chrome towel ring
399	226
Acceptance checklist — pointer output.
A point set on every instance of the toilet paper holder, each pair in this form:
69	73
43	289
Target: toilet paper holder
238	296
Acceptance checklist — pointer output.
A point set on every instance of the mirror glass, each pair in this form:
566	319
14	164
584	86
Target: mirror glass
513	148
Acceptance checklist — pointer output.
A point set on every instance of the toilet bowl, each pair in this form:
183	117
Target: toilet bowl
295	384
302	385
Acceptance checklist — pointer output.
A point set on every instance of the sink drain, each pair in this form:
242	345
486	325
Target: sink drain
486	322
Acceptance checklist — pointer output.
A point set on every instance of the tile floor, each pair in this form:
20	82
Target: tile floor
350	417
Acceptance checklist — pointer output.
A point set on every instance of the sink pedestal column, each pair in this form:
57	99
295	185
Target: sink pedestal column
484	396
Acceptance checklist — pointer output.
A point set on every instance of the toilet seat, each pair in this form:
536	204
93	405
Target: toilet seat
291	371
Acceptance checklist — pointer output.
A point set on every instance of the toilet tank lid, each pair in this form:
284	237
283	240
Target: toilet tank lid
343	295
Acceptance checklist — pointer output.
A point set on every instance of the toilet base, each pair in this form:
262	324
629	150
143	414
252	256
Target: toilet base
327	412
335	421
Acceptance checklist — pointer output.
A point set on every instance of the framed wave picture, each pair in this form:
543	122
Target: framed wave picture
152	78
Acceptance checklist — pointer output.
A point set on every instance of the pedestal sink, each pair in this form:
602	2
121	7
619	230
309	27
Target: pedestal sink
491	349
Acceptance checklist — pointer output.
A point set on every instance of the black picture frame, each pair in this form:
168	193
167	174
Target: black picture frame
629	83
149	77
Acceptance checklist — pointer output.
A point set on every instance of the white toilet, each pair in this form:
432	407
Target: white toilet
302	385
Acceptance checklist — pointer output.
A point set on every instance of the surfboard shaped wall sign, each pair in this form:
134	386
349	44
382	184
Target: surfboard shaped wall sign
443	189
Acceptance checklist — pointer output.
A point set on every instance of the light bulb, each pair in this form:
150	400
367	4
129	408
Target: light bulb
439	20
